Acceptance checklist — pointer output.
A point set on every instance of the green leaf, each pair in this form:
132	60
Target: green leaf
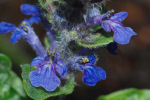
128	94
16	84
10	84
5	63
98	40
4	89
40	93
11	95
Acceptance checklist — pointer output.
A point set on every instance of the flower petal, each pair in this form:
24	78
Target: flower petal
106	26
122	35
34	19
16	35
6	27
36	77
45	77
92	59
61	68
29	9
119	16
92	75
37	61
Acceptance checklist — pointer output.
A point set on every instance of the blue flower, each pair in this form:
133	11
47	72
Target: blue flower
112	22
24	29
91	73
45	73
122	34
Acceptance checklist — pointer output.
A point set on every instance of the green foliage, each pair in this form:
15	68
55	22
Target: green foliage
99	40
16	84
128	94
10	84
40	93
95	37
5	63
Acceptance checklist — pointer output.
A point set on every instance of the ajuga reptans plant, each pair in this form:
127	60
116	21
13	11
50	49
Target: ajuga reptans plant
74	29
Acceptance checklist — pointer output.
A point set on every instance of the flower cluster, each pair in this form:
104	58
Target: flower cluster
49	65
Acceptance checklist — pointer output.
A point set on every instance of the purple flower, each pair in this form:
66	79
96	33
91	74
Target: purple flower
18	32
24	30
25	27
122	35
45	73
91	73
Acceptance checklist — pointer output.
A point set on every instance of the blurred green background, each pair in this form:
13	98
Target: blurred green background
129	69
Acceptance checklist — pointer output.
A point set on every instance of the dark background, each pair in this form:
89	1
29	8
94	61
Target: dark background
129	69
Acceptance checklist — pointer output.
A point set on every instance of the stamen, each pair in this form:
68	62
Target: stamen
84	60
53	53
49	52
110	13
24	26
